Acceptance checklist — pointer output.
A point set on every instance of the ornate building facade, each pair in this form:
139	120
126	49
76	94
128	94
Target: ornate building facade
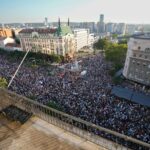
137	65
59	40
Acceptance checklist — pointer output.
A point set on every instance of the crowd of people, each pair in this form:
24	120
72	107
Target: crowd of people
85	96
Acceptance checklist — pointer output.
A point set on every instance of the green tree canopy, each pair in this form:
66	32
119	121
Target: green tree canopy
54	105
101	44
116	53
3	82
114	36
31	55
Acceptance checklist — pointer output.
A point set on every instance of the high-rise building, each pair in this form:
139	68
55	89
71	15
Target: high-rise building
46	21
101	24
110	27
121	28
137	65
101	18
130	29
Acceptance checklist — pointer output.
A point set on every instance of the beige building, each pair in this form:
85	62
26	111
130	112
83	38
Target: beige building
59	40
81	38
4	32
137	65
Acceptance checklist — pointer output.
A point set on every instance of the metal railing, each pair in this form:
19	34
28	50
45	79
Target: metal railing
91	132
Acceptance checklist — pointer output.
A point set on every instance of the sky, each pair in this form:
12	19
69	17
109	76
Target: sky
128	11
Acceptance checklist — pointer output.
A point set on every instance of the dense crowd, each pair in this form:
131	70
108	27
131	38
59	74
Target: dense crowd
84	96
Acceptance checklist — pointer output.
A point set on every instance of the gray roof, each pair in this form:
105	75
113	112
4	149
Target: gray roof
145	36
131	95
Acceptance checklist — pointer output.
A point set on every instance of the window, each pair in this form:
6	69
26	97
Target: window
147	49
139	47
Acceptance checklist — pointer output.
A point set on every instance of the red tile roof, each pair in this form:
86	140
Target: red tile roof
12	45
45	30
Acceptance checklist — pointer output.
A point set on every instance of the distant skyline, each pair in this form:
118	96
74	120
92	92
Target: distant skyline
127	11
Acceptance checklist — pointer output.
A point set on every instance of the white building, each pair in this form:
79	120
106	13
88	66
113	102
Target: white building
81	37
59	40
91	39
137	65
6	40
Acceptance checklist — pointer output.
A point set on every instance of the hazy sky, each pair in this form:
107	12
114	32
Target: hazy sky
128	11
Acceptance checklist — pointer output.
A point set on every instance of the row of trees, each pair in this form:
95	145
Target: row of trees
39	57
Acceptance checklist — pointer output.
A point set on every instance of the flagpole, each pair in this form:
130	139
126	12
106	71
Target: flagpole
18	69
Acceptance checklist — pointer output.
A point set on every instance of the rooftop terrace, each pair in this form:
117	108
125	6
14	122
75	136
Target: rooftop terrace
37	134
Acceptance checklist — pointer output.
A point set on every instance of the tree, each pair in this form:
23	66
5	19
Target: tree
3	82
124	41
55	58
115	36
54	105
116	53
101	44
17	40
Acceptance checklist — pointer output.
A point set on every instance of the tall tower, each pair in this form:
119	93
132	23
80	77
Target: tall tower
101	18
59	27
46	21
101	24
68	22
58	22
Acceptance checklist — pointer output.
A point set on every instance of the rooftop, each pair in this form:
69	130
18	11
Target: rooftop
130	95
39	30
145	36
63	30
37	134
2	38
